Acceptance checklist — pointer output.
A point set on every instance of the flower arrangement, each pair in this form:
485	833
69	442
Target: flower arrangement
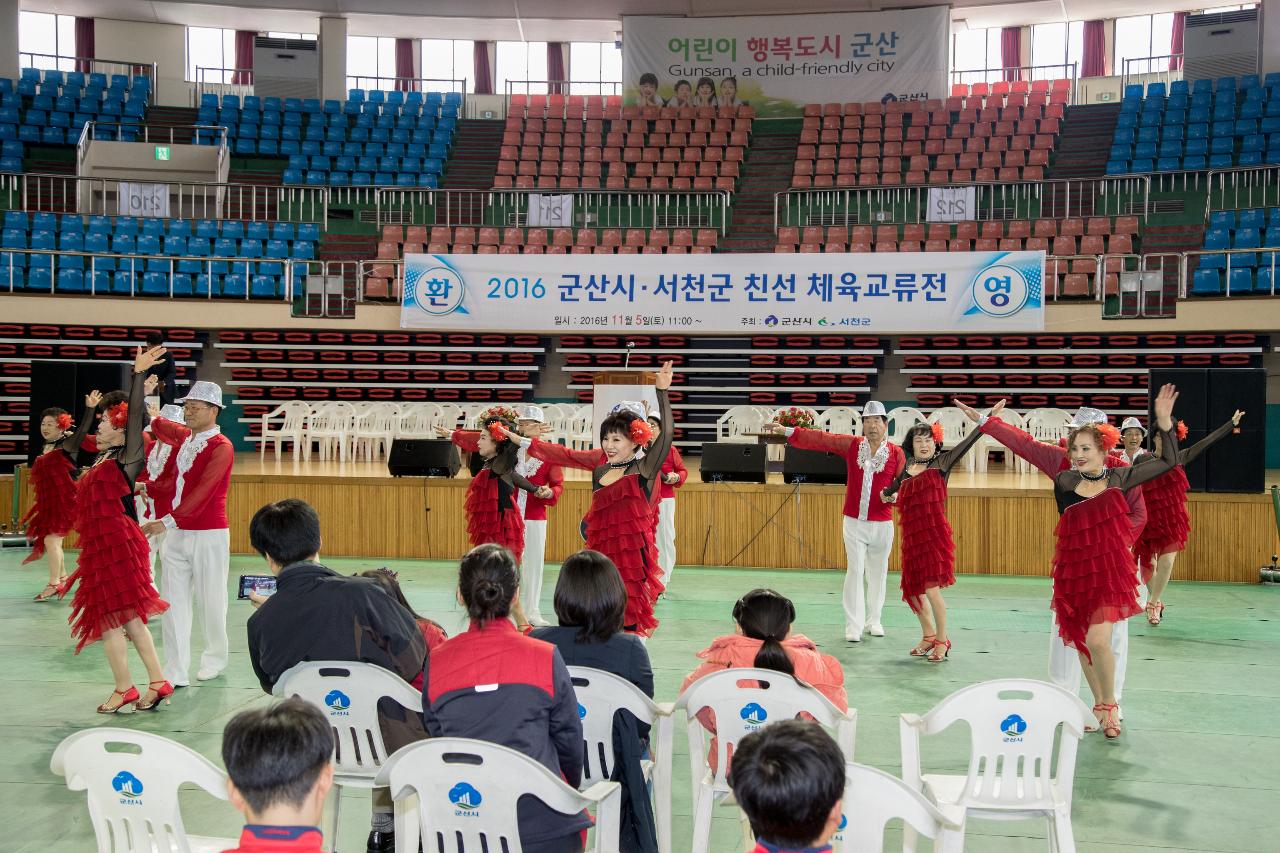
794	417
499	413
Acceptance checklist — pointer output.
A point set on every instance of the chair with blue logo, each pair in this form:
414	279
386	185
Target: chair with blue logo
874	798
743	700
466	791
348	693
601	695
1012	724
133	796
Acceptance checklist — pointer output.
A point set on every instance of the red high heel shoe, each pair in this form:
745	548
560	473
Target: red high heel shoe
924	646
1099	711
163	692
1110	721
127	698
934	657
1155	612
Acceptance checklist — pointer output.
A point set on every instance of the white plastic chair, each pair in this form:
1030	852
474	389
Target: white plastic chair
373	431
453	416
578	434
987	445
600	696
293	427
899	420
348	693
743	700
1012	724
955	426
417	420
329	425
133	796
735	424
462	794
1048	425
874	798
842	420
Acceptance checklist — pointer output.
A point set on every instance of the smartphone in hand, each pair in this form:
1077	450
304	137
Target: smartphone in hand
264	585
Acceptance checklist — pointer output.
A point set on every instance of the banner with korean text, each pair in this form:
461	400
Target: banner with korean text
779	63
879	293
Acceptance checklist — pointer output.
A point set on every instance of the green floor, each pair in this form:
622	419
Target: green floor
1196	768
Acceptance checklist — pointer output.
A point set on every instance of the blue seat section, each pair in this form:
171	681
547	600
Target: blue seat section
201	258
1243	270
50	107
1215	124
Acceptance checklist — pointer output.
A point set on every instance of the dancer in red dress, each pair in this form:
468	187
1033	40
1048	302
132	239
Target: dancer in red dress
53	514
114	596
928	551
625	492
493	514
1095	581
1168	523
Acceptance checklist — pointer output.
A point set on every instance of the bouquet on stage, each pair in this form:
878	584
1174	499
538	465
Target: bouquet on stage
794	417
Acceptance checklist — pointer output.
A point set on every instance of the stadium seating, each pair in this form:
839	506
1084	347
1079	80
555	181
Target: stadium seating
1001	135
1190	126
1240	272
593	142
51	107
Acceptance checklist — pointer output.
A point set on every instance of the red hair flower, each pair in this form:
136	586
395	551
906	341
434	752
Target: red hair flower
1182	430
495	430
65	423
937	433
118	415
641	432
1110	436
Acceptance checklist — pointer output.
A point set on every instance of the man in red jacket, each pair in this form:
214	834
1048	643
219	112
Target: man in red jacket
673	477
197	548
532	423
154	485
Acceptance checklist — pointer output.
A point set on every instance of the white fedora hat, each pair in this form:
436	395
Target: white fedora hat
531	413
1132	423
1085	415
171	412
874	409
205	392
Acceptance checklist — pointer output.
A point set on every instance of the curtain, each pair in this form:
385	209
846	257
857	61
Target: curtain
1094	63
244	57
1175	44
406	78
555	67
484	74
84	44
1011	52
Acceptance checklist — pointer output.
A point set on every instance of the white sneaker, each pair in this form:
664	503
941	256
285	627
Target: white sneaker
208	674
539	622
876	630
851	637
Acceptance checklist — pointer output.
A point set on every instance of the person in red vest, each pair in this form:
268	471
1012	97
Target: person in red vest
154	488
532	423
197	548
673	477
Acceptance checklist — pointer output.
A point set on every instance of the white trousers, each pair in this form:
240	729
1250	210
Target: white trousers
146	512
531	564
667	538
196	563
866	548
1064	660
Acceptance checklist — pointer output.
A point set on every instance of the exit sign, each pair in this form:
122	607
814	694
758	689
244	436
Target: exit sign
162	152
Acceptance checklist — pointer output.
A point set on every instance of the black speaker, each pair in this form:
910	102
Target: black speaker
411	457
732	462
64	384
1193	396
813	466
1206	399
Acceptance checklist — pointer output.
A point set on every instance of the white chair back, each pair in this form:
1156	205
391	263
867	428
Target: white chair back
735	424
842	420
133	796
873	798
1048	425
955	424
452	415
900	419
987	445
460	795
417	420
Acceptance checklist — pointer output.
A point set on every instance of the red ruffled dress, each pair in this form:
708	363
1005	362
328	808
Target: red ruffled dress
620	525
928	551
54	510
486	521
1168	523
113	575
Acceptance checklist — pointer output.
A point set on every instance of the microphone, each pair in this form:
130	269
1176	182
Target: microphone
627	362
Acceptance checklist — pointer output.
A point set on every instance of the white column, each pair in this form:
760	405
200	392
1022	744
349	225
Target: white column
1269	37
9	38
333	58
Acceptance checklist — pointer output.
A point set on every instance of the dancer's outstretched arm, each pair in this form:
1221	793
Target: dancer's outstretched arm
1190	454
655	457
1048	459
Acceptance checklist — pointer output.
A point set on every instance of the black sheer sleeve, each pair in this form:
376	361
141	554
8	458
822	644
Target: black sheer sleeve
133	457
71	444
651	465
1136	475
900	479
1186	457
947	461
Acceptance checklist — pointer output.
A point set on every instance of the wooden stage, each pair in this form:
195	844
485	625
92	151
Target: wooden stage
1003	520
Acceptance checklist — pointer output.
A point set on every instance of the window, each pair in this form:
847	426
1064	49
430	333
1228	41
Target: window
976	51
370	57
592	64
1140	37
46	37
518	62
212	49
1054	47
449	59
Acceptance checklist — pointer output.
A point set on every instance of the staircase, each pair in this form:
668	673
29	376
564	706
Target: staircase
474	159
766	171
158	118
1169	240
1085	142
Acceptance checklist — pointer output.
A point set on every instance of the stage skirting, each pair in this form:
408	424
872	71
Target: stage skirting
774	526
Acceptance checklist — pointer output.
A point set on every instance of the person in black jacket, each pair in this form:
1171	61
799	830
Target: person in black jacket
590	604
317	614
527	702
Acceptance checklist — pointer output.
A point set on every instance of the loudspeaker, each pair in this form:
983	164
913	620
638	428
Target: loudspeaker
65	384
1206	399
1193	396
411	457
813	466
732	462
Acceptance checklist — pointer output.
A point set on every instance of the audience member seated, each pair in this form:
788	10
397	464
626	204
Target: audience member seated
789	779
318	614
279	765
590	602
432	634
493	683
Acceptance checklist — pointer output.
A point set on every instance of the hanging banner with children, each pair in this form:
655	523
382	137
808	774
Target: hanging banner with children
779	63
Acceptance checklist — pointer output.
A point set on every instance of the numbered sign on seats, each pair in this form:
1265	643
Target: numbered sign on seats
952	204
144	199
550	211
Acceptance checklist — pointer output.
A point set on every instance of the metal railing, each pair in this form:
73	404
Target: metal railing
1148	69
1029	73
152	133
218	81
1116	196
330	289
557	92
90	65
409	84
1233	189
591	208
1272	263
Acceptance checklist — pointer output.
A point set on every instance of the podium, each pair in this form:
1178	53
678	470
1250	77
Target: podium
614	386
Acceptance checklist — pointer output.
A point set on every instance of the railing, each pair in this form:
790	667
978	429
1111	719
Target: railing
1118	196
90	65
1063	71
591	208
1189	255
218	81
1232	189
560	89
152	133
1147	67
325	289
409	84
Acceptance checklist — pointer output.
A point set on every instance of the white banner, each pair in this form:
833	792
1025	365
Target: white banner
778	63
878	293
550	211
952	204
144	199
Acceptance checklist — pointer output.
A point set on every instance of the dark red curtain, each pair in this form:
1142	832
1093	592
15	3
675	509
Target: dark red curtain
484	74
84	44
405	76
1094	62
555	67
1175	44
1011	52
244	56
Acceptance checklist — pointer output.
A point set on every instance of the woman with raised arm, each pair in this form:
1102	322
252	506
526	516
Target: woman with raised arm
1168	523
114	596
928	550
53	478
1095	579
625	490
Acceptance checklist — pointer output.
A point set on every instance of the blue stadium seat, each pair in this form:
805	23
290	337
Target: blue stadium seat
154	284
97	243
122	282
225	248
69	241
309	232
122	244
1206	281
1240	280
1254	218
175	246
235	286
